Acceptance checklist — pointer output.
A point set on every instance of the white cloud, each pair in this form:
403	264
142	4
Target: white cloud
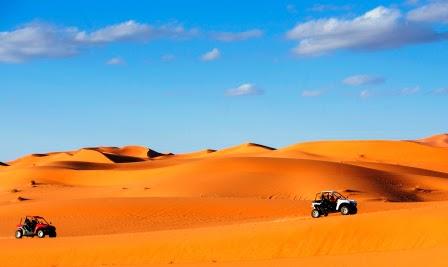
36	40
410	90
378	28
131	30
237	36
244	89
211	55
115	61
311	93
432	12
363	79
441	91
365	94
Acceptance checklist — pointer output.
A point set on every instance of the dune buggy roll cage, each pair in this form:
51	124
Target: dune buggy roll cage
38	218
319	196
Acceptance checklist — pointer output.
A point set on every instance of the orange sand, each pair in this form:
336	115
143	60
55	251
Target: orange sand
246	205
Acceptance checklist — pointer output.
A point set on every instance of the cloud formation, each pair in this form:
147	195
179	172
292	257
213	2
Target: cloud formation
115	61
41	40
379	28
410	90
363	79
133	31
432	12
237	36
129	30
36	40
211	55
441	91
365	94
245	89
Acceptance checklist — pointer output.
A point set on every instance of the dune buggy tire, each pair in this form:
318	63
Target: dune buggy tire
345	210
354	211
41	234
19	234
315	213
52	235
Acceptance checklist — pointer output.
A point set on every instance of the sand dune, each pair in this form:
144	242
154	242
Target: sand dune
298	239
440	140
131	214
196	154
129	151
133	206
85	155
257	177
392	152
82	155
243	149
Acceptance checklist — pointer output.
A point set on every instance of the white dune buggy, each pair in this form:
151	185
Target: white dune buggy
331	201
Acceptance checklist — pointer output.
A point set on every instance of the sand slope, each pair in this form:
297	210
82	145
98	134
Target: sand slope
298	238
243	149
392	152
245	205
440	140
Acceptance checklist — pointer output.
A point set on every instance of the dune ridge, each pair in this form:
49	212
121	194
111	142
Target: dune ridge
439	140
388	170
243	149
133	206
197	154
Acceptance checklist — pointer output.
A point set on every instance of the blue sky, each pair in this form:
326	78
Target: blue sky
180	76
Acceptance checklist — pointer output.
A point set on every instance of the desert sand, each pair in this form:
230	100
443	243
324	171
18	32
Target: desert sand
247	205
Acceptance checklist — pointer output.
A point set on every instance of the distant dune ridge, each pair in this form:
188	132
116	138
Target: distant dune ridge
380	169
247	148
258	195
440	140
129	151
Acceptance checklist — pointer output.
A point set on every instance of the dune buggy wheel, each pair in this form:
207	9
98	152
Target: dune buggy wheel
52	234
40	234
19	234
345	210
315	213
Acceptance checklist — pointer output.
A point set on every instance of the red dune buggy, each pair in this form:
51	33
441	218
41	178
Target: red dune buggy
35	226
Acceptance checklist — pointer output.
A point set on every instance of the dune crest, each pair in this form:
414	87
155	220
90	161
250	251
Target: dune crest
380	151
439	140
129	151
246	148
87	156
28	160
196	154
173	209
